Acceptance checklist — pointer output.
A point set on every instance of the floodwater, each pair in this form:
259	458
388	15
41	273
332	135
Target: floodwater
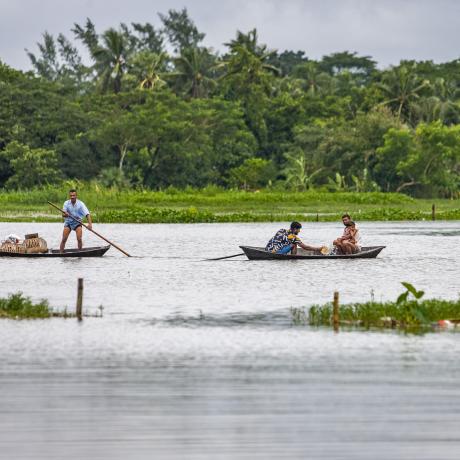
196	359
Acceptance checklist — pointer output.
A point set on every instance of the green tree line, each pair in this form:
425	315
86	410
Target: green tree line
153	107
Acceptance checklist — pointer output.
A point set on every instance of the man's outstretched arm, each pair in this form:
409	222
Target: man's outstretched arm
309	248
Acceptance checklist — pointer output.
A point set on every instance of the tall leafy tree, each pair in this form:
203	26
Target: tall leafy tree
435	162
30	167
287	61
47	64
249	77
147	38
181	30
337	63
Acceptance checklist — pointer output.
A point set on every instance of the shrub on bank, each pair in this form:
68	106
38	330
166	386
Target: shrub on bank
17	306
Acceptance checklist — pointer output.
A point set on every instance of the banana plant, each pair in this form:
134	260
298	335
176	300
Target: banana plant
413	314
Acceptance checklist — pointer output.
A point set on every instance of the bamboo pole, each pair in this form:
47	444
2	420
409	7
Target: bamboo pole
79	299
335	312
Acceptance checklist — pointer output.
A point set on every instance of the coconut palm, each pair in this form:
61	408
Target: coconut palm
441	104
148	70
447	92
402	88
247	66
315	81
249	59
193	72
111	59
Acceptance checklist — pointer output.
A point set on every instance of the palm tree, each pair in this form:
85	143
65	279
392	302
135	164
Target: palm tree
249	60
447	92
316	82
194	72
248	77
402	87
148	69
441	105
111	59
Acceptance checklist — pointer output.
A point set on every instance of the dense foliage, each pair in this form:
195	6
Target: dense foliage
155	108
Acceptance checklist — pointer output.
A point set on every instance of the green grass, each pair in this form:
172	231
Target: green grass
411	314
213	204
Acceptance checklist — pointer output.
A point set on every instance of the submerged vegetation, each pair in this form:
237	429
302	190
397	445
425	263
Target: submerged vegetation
409	311
16	306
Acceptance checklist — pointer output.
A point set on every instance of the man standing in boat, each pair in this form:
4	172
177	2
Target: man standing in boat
286	241
75	208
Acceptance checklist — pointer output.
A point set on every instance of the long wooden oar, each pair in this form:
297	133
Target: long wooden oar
227	257
90	229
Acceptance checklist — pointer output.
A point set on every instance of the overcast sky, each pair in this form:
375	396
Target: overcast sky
387	30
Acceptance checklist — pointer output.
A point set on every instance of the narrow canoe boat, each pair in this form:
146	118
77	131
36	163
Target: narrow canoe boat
97	251
255	253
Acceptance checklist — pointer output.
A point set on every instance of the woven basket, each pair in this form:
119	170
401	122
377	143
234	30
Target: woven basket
13	248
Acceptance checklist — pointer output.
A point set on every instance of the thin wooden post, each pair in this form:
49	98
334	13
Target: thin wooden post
335	312
80	299
433	212
317	217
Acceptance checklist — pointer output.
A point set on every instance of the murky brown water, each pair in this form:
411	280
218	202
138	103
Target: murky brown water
198	359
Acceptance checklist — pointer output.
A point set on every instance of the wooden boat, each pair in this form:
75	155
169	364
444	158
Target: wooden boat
97	251
255	253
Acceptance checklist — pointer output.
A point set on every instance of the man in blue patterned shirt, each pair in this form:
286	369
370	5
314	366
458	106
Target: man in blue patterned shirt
286	241
78	209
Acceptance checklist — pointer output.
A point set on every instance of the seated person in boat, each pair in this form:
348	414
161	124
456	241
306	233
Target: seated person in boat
78	210
286	241
348	243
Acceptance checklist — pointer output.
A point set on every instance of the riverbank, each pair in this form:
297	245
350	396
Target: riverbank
217	205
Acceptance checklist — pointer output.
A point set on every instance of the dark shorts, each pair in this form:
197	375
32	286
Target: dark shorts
72	225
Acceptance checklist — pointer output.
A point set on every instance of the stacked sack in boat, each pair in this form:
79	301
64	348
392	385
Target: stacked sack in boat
34	244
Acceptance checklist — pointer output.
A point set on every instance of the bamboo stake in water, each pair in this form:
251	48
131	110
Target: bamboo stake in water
335	312
80	299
